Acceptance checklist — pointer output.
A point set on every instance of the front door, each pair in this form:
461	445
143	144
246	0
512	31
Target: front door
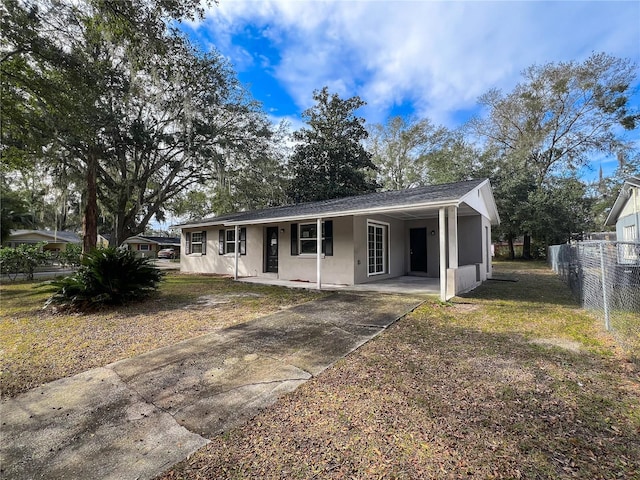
418	249
271	248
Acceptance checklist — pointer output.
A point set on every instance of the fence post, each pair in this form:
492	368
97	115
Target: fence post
604	288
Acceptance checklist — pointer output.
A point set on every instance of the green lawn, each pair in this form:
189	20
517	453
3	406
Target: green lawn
511	381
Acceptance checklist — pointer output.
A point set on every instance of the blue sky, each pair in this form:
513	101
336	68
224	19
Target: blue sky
427	58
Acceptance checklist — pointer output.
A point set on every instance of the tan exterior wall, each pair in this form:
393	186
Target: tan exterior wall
469	240
433	247
396	263
249	265
336	269
349	262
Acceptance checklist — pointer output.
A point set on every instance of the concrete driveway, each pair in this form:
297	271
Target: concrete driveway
135	418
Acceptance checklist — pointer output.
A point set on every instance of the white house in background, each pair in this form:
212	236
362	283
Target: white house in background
625	215
441	231
54	241
145	246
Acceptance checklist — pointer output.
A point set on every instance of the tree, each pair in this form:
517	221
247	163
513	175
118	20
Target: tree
118	98
551	125
13	212
400	148
65	65
330	161
177	128
455	160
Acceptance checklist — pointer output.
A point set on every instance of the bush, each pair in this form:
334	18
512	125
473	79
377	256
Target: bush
70	256
23	259
106	276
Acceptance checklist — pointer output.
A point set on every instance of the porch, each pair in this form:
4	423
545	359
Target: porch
415	285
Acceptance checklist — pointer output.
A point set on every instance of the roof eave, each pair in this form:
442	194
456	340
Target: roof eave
329	214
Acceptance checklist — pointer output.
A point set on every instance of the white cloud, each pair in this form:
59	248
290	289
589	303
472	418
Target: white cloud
440	56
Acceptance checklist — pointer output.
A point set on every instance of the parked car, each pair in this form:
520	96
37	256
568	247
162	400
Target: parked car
167	253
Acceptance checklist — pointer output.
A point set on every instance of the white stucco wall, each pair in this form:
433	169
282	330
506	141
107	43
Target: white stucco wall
470	240
433	248
248	265
336	269
396	263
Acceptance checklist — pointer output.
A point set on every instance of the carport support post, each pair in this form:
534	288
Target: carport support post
236	252
319	252
442	230
452	226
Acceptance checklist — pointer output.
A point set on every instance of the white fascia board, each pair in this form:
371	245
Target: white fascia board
347	213
488	201
198	225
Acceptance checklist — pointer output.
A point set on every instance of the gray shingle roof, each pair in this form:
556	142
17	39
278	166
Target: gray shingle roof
395	198
60	236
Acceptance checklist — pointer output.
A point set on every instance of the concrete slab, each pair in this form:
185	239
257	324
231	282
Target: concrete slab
137	417
90	425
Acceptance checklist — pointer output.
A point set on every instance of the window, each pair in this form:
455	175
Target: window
308	238
304	238
227	241
629	250
197	242
629	233
377	248
144	247
230	241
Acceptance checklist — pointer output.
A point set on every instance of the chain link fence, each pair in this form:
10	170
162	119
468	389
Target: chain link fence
605	278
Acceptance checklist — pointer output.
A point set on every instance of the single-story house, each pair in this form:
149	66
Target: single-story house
145	246
625	215
55	241
441	231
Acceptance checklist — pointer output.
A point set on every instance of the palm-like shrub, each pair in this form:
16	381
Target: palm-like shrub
106	277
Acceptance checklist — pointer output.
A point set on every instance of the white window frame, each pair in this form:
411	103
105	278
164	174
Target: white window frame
230	245
309	239
144	247
385	247
197	243
629	250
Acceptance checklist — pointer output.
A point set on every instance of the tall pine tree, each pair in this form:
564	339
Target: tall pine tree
330	160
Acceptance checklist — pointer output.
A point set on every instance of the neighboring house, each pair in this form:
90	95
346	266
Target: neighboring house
441	231
149	246
55	241
625	215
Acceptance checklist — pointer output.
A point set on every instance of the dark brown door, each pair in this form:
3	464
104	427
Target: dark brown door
418	246
271	248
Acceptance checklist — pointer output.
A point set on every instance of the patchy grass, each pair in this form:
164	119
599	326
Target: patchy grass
511	381
38	346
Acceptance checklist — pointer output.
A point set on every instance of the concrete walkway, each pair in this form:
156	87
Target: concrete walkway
412	285
137	417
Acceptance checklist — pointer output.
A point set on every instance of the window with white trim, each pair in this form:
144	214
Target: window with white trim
629	250
227	241
144	247
196	242
308	238
230	240
304	238
629	233
377	248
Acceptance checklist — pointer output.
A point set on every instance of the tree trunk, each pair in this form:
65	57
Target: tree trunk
512	250
90	218
526	247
